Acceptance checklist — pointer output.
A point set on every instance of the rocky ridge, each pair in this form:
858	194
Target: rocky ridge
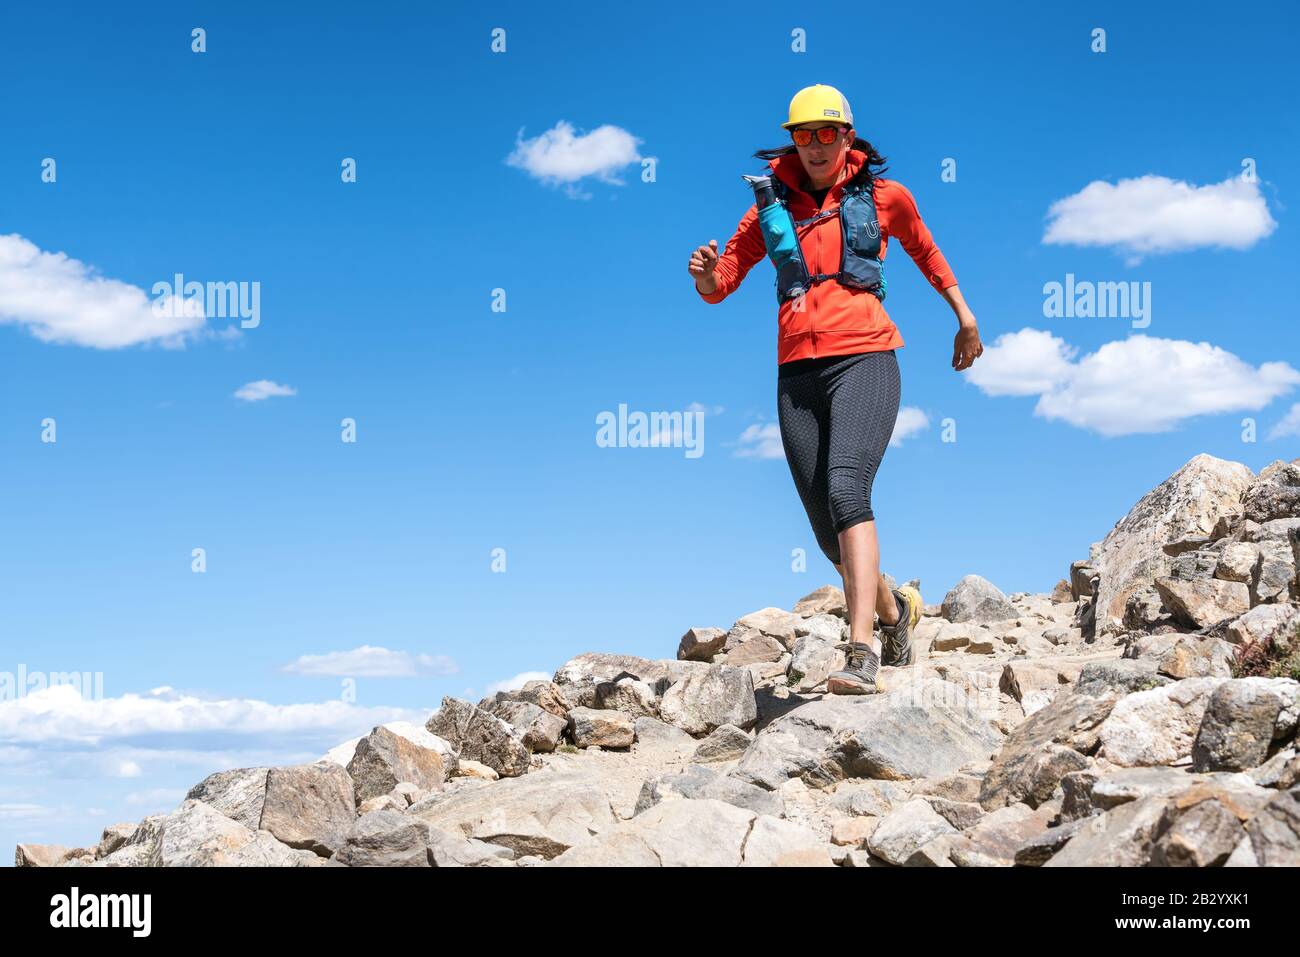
1143	712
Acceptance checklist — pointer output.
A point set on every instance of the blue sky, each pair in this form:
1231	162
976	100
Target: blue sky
476	429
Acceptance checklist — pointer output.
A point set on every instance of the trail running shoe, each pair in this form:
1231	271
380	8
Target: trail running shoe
859	675
896	640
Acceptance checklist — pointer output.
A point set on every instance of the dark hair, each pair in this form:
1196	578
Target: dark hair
874	159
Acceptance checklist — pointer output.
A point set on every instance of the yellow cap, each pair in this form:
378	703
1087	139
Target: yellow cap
819	103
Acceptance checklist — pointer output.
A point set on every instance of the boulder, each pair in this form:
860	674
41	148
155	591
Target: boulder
1242	719
1204	602
1274	494
311	807
1157	726
386	839
827	600
724	743
542	731
708	699
813	660
591	727
776	843
383	760
198	835
774	623
975	599
542	814
905	830
698	782
1186	505
1274	832
701	644
1035	756
922	729
577	678
629	695
480	736
238	794
686	833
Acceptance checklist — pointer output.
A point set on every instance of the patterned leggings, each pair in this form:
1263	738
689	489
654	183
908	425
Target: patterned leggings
837	415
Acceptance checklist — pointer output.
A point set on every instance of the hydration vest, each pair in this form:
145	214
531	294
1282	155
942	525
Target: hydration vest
860	264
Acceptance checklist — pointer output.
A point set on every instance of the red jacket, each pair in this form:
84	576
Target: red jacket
835	320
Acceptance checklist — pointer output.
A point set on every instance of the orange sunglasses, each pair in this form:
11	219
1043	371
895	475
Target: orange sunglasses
825	135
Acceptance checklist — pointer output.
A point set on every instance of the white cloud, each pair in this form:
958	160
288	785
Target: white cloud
1135	385
60	713
910	421
263	389
1288	425
561	157
518	681
1028	362
1155	214
761	442
62	300
127	769
368	661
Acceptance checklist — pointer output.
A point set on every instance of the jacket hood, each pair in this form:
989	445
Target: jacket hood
789	168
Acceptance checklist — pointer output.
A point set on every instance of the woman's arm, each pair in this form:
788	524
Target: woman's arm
717	274
966	347
905	222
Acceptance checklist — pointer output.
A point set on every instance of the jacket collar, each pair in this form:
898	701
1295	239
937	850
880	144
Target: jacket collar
789	169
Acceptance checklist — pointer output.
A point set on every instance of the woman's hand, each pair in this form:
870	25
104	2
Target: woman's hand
966	347
703	261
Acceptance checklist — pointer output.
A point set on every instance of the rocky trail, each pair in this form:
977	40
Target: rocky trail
1145	712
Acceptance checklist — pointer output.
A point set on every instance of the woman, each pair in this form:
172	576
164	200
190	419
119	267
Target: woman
838	378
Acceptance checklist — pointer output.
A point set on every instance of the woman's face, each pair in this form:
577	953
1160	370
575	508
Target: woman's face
823	161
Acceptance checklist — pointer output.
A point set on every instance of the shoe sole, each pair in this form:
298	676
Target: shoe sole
847	686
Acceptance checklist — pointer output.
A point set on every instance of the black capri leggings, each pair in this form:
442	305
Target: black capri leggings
837	415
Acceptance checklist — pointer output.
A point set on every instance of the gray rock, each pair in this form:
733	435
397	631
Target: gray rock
541	814
697	782
756	649
386	839
1241	721
1274	831
198	835
960	814
652	733
701	644
310	807
775	843
1263	623
906	829
1274	494
1197	656
1157	726
813	660
708	699
1038	849
773	623
923	729
1030	763
383	760
542	731
725	743
451	850
1204	602
577	678
975	599
591	727
238	794
480	737
1122	675
1186	505
827	600
685	833
114	836
831	628
1123	837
